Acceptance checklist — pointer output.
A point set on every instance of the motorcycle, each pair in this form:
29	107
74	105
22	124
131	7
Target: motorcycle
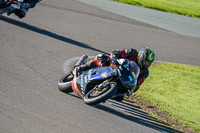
17	6
101	83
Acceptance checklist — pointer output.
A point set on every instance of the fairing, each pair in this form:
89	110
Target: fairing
92	75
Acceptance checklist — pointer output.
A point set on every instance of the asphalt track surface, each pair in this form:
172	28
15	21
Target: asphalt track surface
34	49
169	21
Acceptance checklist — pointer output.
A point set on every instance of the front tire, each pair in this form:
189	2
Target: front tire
95	97
64	84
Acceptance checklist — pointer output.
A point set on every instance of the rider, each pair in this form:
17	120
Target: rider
22	11
143	58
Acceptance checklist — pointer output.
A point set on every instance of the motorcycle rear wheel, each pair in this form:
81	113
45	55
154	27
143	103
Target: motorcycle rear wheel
95	97
64	84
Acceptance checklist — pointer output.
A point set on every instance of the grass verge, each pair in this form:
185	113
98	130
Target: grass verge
184	7
175	90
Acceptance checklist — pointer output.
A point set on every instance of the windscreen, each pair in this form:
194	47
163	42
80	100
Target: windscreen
129	73
134	68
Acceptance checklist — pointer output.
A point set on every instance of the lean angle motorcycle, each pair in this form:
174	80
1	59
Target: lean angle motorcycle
101	83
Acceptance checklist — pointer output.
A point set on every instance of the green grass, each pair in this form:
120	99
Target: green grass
184	7
175	90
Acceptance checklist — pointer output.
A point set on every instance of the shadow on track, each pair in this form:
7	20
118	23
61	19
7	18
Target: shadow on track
139	120
47	33
155	126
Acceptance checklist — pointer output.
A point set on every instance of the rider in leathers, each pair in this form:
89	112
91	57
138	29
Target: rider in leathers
18	12
143	58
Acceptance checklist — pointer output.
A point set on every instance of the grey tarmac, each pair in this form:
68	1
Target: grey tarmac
34	49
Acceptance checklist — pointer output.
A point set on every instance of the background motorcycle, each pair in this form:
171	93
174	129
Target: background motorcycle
99	84
19	7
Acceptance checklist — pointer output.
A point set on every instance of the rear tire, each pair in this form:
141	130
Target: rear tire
109	91
64	84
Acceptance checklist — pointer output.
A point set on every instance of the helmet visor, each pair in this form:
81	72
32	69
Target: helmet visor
147	63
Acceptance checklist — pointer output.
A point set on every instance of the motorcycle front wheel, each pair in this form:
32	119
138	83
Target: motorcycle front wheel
64	84
97	96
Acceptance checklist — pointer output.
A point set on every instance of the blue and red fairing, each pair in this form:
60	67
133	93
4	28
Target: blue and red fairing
102	75
80	83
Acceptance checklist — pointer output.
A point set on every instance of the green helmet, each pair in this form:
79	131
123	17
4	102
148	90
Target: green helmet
145	57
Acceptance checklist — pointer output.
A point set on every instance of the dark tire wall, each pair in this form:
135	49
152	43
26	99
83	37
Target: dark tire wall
64	85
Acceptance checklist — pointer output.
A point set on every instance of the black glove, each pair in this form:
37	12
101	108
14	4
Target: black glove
113	59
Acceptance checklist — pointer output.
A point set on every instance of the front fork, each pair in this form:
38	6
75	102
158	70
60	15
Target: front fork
102	85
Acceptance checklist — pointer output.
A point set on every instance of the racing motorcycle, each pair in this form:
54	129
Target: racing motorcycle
17	6
101	83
